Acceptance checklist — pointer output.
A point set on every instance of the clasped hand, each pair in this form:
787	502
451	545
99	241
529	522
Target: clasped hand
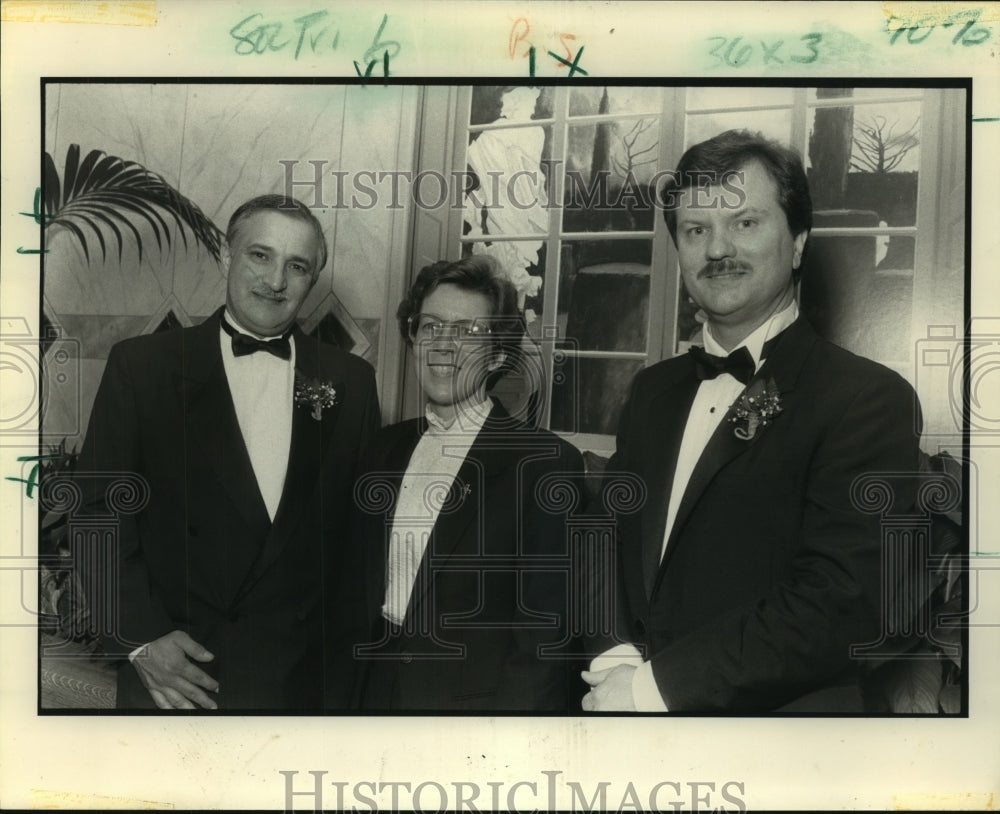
173	681
610	690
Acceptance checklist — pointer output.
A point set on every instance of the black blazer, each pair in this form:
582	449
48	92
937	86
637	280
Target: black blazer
202	555
494	583
771	571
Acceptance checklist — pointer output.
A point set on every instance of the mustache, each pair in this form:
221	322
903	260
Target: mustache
723	267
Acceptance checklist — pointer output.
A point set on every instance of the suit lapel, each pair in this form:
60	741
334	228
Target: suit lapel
722	447
212	420
310	439
667	417
783	364
485	462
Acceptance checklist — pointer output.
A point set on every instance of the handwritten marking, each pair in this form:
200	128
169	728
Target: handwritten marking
378	46
254	35
811	42
257	41
38	217
371	65
312	34
32	480
769	52
573	66
305	22
137	12
565	45
729	53
918	28
984	119
519	32
36	212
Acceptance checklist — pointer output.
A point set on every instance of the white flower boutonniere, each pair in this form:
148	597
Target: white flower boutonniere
314	393
756	407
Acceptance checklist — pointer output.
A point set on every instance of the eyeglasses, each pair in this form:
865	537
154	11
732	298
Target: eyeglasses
429	327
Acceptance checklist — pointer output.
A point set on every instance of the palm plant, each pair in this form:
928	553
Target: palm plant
105	190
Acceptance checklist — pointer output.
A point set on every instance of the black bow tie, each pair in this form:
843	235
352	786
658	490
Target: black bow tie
739	364
244	344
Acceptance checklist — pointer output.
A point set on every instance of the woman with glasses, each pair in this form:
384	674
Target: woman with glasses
467	573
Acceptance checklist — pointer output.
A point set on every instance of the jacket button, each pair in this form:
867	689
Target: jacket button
640	627
406	658
234	616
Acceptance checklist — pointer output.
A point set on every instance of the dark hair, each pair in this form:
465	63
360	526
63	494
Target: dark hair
708	161
480	274
286	205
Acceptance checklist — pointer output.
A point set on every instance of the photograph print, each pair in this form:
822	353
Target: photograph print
573	398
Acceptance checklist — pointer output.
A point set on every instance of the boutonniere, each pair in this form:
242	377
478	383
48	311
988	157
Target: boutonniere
318	395
756	407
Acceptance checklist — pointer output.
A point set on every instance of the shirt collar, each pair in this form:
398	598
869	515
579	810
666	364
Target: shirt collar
756	340
235	324
226	341
469	418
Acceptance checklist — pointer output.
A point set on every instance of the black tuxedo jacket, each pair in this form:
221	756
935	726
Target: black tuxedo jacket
771	572
493	584
202	555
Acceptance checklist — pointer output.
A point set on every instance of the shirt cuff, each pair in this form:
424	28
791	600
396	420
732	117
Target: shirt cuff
135	653
619	654
645	694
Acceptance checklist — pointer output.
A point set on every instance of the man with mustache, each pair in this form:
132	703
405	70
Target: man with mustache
750	572
466	596
247	433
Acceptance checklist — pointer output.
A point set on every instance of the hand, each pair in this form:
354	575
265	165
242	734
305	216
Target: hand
173	681
611	690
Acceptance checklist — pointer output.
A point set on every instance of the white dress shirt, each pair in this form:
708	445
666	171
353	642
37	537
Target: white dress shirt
430	475
263	390
710	405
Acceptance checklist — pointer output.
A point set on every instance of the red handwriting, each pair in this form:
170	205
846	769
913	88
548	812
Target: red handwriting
521	44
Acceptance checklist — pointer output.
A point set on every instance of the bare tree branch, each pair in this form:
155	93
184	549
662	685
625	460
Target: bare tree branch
879	148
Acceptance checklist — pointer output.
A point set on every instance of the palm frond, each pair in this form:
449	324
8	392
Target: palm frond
103	190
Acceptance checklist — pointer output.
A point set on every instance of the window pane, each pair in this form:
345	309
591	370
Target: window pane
711	98
604	294
508	191
595	101
588	394
895	253
851	297
491	103
689	319
865	93
609	167
865	159
524	263
776	124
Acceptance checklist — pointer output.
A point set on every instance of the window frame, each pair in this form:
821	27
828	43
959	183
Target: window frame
941	162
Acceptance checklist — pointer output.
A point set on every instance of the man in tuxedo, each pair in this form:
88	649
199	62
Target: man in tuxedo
247	433
465	556
750	571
